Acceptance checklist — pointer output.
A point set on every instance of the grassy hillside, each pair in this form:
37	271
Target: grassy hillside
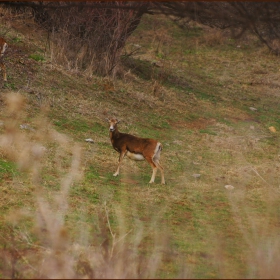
212	101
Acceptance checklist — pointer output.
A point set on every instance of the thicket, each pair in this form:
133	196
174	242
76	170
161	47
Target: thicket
90	36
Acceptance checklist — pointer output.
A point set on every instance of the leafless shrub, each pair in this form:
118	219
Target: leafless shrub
275	44
261	19
213	37
89	39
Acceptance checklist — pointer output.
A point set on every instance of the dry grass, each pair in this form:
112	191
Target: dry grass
63	215
213	37
57	254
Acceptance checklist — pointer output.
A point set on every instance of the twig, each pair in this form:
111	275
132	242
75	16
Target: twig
259	175
113	235
123	236
21	256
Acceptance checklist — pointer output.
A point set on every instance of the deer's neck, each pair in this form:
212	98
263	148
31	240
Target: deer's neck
114	134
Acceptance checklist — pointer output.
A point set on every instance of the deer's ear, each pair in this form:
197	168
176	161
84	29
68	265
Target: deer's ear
107	120
118	121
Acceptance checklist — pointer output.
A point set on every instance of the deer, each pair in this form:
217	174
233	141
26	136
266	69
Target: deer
3	47
135	148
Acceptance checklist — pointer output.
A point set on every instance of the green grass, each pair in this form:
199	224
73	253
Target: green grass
200	229
37	57
68	124
8	170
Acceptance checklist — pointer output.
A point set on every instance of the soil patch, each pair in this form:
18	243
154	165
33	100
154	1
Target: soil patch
200	123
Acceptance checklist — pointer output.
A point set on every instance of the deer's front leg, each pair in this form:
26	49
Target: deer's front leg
122	154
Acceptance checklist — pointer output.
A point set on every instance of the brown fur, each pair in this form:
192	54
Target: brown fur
125	143
2	51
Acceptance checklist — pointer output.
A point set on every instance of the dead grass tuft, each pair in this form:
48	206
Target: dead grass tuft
213	37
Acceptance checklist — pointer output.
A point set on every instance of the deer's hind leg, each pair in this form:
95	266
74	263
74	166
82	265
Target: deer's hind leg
154	167
156	158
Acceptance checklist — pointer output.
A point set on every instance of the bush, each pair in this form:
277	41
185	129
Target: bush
87	38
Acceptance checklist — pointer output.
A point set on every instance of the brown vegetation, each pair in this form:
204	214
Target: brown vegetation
90	36
62	212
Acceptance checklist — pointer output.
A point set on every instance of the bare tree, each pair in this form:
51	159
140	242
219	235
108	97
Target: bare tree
90	35
259	18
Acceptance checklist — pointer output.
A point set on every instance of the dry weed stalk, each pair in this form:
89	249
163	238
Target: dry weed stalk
263	247
28	150
56	254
